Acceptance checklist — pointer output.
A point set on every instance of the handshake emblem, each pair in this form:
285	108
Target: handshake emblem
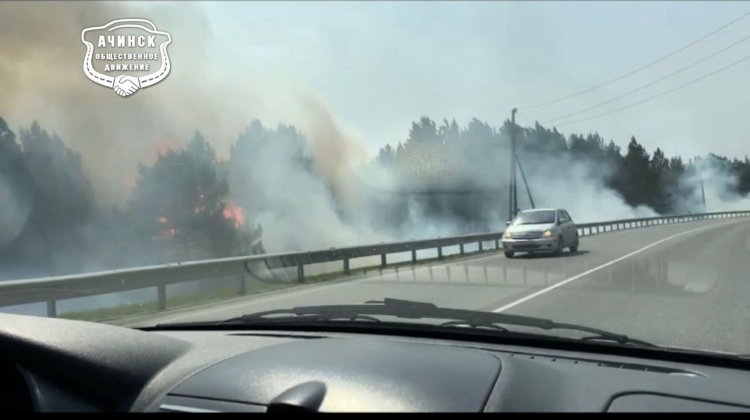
137	39
126	85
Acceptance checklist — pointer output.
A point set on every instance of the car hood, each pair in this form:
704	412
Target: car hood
531	228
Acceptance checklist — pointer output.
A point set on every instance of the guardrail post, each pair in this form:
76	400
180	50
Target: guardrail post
242	289
414	256
300	273
52	309
161	297
346	265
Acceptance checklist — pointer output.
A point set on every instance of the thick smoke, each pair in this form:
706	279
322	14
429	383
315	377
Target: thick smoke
41	78
43	81
576	185
711	182
342	198
466	174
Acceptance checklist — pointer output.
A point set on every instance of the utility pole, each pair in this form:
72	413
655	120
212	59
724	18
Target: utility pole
703	194
512	202
526	184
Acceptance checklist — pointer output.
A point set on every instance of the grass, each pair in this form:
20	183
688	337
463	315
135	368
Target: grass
109	314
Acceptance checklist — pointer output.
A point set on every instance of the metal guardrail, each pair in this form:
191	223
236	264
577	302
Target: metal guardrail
53	289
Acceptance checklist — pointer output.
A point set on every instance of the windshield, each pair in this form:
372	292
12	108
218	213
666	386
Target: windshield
231	158
535	218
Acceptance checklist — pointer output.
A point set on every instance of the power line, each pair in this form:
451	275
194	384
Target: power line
641	68
523	117
652	83
659	95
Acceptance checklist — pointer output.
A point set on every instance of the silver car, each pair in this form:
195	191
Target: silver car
540	230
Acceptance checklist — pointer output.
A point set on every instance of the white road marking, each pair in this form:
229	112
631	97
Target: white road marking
585	273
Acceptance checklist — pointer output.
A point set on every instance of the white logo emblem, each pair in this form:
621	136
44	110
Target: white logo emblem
135	62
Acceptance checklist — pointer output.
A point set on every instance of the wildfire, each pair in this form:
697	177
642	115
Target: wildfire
232	211
171	231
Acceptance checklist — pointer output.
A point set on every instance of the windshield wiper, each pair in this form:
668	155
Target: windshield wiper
422	310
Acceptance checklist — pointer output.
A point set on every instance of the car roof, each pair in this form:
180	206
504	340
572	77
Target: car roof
544	209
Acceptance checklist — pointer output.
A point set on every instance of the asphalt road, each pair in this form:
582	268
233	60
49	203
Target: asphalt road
682	285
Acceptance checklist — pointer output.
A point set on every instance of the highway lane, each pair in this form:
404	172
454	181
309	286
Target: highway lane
689	292
680	284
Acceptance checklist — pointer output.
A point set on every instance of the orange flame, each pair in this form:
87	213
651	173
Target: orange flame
232	211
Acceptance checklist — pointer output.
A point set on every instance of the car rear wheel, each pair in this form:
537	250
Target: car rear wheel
509	254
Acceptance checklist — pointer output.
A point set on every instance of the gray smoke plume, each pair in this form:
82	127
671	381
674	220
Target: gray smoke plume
718	190
41	79
341	201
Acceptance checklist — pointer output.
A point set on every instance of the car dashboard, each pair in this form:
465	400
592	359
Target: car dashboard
54	365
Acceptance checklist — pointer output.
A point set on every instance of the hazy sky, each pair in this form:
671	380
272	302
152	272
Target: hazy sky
381	65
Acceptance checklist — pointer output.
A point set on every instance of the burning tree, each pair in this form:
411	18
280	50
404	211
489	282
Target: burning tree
185	199
234	213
